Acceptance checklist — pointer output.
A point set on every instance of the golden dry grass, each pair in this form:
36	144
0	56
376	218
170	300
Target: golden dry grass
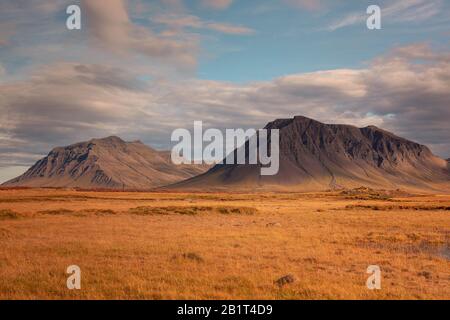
223	246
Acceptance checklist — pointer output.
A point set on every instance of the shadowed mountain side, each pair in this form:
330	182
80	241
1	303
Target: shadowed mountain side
106	163
316	156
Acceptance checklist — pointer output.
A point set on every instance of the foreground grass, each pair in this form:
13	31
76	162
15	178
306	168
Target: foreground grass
222	246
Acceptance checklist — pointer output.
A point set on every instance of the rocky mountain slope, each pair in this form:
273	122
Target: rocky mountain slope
317	156
105	163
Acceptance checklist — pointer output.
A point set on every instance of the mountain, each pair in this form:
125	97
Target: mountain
105	163
315	156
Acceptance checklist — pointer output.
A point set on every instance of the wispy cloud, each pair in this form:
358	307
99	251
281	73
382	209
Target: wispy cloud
311	5
217	4
398	11
175	21
6	31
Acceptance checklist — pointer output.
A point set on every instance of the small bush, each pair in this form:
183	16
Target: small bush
285	280
192	256
237	210
397	207
100	212
57	212
6	214
189	256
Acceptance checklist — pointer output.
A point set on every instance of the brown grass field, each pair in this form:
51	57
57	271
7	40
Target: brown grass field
223	246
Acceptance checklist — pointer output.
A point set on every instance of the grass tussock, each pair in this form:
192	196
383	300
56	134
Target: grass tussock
55	198
99	212
7	214
192	256
5	233
57	212
79	213
397	207
364	193
193	210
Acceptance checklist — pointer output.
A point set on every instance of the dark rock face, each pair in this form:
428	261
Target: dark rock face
105	163
318	156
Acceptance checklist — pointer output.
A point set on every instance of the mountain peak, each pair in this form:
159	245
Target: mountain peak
372	127
284	122
302	119
110	139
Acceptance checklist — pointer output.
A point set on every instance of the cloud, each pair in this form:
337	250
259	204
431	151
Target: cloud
405	91
397	11
112	32
7	30
179	22
111	28
16	8
310	5
217	4
413	10
22	13
67	100
417	51
174	4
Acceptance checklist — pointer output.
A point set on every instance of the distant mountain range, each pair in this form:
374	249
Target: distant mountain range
317	156
106	163
313	156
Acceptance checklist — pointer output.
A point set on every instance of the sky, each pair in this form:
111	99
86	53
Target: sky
139	69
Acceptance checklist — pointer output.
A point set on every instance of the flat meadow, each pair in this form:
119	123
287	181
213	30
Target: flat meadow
170	245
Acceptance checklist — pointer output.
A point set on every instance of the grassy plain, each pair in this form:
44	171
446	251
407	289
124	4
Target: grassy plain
133	245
